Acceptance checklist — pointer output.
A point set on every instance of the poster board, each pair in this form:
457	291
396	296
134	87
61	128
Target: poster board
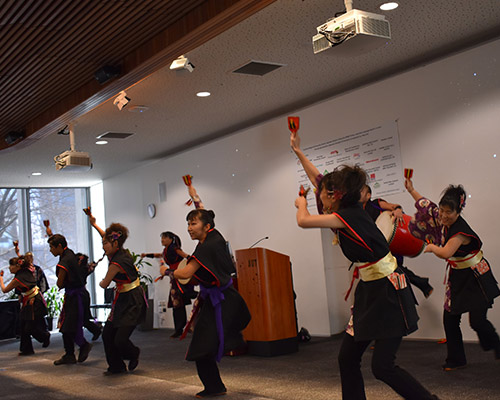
376	150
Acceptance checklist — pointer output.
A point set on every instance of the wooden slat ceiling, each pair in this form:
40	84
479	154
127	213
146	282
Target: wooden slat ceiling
50	50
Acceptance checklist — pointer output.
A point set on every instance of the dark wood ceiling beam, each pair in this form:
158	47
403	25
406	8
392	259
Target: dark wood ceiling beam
209	19
73	29
30	58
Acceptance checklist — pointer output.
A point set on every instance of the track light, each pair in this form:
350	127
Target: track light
122	100
182	63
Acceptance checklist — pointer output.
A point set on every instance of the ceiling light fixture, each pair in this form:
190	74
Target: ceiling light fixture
101	142
203	94
182	63
122	100
389	6
36	173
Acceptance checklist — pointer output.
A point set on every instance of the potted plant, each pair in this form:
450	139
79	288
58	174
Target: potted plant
54	300
144	277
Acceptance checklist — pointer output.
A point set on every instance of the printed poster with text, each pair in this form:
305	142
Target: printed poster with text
376	150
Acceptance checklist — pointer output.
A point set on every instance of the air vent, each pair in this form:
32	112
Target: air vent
114	135
259	68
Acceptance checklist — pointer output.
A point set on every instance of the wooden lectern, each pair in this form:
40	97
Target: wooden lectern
265	282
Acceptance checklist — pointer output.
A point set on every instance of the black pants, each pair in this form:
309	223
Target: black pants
118	347
422	283
91	326
209	375
31	328
69	342
488	337
383	368
415	280
180	318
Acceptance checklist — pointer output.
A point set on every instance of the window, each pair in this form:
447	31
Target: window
22	212
9	229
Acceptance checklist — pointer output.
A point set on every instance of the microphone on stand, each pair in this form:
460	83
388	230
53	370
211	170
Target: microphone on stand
258	241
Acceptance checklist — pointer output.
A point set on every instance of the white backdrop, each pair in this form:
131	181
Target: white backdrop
448	118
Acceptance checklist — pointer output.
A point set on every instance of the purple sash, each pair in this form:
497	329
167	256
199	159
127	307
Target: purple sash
216	296
78	292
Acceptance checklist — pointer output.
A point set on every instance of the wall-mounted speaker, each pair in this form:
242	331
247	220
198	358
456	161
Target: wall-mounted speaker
162	191
13	137
106	73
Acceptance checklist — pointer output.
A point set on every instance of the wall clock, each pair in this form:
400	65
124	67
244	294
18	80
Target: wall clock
151	210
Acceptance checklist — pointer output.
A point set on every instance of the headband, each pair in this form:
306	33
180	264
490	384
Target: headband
115	235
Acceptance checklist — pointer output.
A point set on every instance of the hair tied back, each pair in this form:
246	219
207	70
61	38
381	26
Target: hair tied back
462	201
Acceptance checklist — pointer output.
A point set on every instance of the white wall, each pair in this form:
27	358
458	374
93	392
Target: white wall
448	121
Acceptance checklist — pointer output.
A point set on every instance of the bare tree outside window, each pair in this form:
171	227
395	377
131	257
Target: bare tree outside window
62	206
9	229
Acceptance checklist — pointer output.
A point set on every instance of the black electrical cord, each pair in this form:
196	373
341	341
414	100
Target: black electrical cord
336	41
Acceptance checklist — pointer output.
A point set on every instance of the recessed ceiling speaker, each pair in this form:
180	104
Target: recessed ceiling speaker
107	73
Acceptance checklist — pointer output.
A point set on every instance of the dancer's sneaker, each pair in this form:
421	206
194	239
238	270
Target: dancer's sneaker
451	366
66	359
84	352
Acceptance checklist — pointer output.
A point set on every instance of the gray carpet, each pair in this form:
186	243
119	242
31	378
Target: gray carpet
311	373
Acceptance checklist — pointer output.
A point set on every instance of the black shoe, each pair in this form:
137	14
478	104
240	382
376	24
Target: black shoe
132	364
176	334
46	342
111	372
84	352
205	393
451	366
66	359
25	353
96	335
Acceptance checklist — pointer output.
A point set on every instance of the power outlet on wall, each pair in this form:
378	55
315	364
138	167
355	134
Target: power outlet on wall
162	307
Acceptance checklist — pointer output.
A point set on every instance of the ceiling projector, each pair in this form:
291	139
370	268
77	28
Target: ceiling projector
73	161
353	33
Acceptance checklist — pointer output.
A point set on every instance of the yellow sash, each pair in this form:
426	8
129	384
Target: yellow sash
380	269
31	293
373	270
465	262
127	287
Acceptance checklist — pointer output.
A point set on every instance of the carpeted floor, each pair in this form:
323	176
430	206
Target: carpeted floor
311	373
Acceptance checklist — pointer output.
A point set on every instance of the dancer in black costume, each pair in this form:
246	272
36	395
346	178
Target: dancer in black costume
471	286
71	278
41	282
33	308
180	295
384	306
374	208
221	313
129	304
